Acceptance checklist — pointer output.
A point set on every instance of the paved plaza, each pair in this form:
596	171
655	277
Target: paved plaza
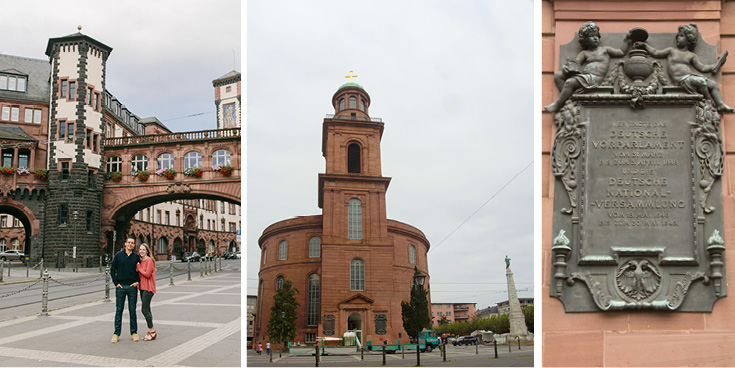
457	356
198	324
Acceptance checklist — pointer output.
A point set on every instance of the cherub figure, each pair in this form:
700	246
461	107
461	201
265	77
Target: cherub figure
680	59
594	62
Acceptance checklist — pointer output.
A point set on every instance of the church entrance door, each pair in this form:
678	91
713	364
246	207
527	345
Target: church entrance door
354	322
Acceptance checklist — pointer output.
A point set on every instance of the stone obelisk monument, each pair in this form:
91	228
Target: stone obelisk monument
517	319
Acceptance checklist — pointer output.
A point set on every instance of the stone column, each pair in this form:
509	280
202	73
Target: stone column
517	319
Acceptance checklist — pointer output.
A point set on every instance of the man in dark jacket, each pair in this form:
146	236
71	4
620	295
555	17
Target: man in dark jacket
126	280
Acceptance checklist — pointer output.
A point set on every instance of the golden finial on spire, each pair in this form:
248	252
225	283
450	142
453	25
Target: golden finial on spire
79	27
350	76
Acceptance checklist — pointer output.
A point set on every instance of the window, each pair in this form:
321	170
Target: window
62	129
95	100
357	275
23	157
168	218
14	113
90	215
162	246
264	255
312	301
221	157
158	216
353	158
72	90
63	214
411	254
4	221
91	180
6	113
279	282
65	170
314	245
13	82
353	102
178	219
37	116
7	156
233	227
89	96
362	104
139	163
192	159
341	104
354	219
69	132
228	89
449	314
32	116
96	142
16	222
439	314
114	164
165	161
310	337
2	245
16	244
282	250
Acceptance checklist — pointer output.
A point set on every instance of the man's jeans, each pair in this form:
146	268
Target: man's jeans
120	293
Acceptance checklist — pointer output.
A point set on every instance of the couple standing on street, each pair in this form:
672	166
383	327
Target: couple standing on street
130	272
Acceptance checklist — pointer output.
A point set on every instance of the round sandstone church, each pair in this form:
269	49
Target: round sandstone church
352	265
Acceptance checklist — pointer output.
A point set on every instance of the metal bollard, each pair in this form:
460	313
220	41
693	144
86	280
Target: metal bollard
495	344
107	283
188	271
100	263
444	351
8	268
316	363
519	343
28	268
403	352
2	264
40	269
477	348
383	354
509	346
201	270
362	353
215	264
44	298
270	355
171	274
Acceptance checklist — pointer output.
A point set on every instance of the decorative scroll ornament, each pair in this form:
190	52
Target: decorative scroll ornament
638	279
567	149
708	146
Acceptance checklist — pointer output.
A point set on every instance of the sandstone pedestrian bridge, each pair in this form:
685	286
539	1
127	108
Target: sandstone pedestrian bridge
148	169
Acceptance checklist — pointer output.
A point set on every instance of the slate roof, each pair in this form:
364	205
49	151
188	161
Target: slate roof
15	133
154	120
231	75
38	72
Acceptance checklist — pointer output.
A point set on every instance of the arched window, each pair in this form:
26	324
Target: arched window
354	219
114	164
314	245
162	246
221	158
211	246
139	163
165	161
341	104
279	282
192	159
353	102
3	244
357	275
264	255
362	104
412	254
312	301
353	158
282	250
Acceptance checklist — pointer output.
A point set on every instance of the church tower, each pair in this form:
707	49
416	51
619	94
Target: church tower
76	144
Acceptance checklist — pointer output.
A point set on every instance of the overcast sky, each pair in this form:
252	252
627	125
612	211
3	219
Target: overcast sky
452	81
165	53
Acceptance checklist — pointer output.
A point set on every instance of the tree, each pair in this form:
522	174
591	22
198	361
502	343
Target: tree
284	301
415	314
528	313
443	320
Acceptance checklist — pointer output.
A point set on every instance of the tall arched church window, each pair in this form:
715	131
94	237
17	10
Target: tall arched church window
354	219
279	282
314	247
282	250
341	104
312	301
357	275
353	158
412	254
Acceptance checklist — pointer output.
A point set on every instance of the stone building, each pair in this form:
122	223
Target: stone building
352	265
633	337
55	115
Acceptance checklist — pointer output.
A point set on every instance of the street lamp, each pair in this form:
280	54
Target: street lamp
283	324
418	281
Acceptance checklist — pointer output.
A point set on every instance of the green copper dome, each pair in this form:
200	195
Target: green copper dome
351	84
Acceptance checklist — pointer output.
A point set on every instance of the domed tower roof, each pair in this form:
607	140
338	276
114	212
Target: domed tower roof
351	100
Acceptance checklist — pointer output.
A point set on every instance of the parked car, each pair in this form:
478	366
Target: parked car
190	257
12	255
465	340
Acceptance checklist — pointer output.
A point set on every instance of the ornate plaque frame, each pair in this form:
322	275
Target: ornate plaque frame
638	196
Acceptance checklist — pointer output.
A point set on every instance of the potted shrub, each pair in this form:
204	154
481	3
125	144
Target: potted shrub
169	174
41	174
115	176
142	175
194	171
7	170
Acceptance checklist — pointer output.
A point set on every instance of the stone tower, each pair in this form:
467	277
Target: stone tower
227	99
76	132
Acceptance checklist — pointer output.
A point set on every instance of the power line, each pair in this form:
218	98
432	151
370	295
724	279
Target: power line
483	205
189	116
